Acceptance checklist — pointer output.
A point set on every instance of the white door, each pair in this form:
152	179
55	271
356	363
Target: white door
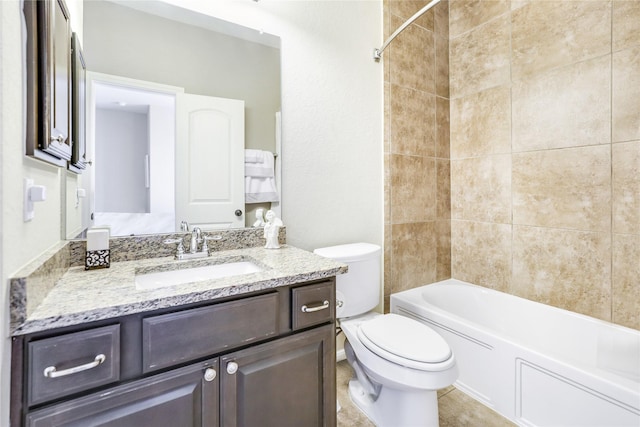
209	162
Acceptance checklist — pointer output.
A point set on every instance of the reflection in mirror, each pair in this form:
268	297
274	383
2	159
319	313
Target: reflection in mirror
193	55
132	127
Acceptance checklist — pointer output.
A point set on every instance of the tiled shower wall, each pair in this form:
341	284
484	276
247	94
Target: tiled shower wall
545	156
416	153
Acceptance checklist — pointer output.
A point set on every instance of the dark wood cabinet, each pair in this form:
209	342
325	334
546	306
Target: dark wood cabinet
282	383
247	361
52	363
184	397
48	68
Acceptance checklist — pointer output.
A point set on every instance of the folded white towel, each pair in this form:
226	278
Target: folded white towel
253	156
260	189
263	168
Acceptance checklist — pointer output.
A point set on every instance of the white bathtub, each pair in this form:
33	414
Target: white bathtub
535	364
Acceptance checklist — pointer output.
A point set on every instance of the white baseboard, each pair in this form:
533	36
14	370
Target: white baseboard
340	356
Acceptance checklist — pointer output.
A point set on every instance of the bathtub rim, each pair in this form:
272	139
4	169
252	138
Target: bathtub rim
414	298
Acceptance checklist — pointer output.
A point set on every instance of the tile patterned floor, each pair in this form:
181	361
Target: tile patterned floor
456	408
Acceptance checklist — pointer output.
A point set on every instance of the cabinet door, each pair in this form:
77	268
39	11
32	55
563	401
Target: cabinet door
184	397
48	80
287	382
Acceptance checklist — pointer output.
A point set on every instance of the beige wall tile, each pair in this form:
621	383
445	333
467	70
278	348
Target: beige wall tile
568	188
442	66
561	99
442	128
405	9
626	24
443	192
414	255
481	123
626	95
413	122
413	189
517	4
481	253
386	32
626	187
387	118
387	188
566	107
480	59
550	34
412	58
481	188
388	259
564	268
441	17
443	256
626	282
468	14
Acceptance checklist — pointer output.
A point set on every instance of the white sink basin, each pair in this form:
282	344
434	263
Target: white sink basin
195	274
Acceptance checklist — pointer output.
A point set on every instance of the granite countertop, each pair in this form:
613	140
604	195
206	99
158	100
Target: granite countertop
81	296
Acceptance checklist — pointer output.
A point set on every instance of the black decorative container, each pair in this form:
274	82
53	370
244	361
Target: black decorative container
97	259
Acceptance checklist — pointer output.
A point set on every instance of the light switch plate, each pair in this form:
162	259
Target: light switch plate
32	193
28	210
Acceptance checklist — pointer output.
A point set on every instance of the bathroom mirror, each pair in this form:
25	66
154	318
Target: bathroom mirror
161	44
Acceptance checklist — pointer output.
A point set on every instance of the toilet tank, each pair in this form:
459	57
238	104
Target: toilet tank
357	291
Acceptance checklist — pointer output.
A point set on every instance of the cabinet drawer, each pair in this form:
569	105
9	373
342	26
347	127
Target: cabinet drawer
312	304
74	362
170	339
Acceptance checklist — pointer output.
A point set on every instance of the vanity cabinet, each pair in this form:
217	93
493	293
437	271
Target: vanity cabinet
250	360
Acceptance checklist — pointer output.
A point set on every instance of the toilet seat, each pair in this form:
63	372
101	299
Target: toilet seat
404	341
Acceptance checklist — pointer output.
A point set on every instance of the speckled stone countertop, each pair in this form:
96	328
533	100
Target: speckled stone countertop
81	296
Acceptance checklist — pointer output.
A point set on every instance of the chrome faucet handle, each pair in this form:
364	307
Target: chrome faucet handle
205	239
179	249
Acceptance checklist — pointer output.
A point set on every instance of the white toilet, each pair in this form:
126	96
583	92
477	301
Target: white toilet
399	363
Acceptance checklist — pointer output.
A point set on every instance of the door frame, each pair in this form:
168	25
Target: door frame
93	79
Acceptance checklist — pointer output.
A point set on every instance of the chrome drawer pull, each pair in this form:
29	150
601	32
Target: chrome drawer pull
323	306
51	371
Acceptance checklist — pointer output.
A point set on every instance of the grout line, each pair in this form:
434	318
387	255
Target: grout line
611	189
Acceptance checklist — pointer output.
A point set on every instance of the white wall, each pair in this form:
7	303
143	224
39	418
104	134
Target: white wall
332	132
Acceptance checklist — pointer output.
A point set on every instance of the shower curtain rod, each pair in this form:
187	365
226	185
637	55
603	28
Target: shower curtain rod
377	53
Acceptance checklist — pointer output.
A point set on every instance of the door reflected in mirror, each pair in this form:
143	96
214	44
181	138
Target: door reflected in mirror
136	175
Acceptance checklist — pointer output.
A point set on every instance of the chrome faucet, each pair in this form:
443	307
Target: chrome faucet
196	237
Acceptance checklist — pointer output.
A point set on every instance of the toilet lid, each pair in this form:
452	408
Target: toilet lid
404	341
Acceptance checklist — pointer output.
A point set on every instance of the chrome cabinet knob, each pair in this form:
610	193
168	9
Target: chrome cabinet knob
232	368
210	374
